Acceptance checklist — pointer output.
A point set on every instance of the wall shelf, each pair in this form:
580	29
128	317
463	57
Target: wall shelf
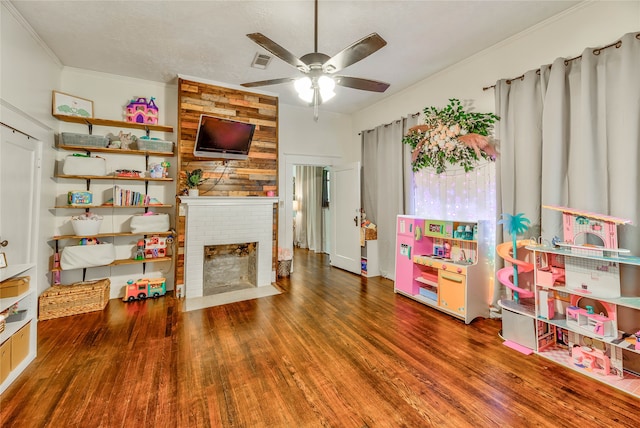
108	235
120	262
104	204
115	123
95	149
111	206
111	177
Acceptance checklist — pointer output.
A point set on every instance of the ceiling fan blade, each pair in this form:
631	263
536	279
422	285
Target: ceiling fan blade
354	53
268	82
362	84
278	51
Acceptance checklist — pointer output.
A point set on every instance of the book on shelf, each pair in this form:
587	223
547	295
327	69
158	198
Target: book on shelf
128	197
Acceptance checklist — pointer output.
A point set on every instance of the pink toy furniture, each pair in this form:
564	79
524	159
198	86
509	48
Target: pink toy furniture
591	359
548	276
597	324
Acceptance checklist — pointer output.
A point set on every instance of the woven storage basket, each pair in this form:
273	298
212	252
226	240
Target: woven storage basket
2	324
155	145
284	268
78	298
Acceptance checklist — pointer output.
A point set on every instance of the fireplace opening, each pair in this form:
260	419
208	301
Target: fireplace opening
229	267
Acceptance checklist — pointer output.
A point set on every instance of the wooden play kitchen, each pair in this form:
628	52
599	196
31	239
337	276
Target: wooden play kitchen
444	264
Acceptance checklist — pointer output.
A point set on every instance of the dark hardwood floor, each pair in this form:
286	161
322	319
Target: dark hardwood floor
334	349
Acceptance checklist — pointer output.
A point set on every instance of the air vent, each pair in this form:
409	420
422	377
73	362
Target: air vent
261	61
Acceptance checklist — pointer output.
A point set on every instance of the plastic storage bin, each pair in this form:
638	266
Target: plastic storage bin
73	139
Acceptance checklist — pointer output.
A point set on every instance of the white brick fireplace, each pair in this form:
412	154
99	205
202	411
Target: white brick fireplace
226	220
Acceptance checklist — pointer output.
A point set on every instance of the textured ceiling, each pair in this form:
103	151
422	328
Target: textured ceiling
157	40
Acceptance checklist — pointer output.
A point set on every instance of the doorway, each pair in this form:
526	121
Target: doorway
286	233
311	219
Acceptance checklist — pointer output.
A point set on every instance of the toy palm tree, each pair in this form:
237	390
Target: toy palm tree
515	225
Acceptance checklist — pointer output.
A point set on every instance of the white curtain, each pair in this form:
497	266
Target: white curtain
386	185
570	136
308	220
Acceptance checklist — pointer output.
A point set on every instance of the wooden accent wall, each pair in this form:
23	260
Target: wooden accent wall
254	176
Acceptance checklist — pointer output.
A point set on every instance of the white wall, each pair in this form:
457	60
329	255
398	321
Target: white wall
302	141
28	73
111	93
589	24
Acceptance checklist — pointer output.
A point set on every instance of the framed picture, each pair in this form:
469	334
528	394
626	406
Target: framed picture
3	260
70	105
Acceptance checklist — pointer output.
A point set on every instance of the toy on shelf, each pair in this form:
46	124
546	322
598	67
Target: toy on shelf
128	173
79	197
142	111
139	250
88	241
154	247
143	288
159	170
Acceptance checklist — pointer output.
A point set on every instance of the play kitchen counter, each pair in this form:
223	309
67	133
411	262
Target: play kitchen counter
444	264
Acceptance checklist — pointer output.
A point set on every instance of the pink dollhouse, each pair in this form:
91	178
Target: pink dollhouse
142	111
586	231
589	234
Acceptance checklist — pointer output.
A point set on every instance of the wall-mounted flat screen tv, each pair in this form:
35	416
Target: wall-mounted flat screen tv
223	138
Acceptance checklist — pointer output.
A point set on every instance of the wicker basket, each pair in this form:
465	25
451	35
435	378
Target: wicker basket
78	298
2	324
284	268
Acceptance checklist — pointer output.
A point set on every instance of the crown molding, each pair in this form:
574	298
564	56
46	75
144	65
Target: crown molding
25	24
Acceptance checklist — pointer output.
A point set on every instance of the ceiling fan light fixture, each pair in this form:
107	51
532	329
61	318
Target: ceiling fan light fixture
326	85
304	88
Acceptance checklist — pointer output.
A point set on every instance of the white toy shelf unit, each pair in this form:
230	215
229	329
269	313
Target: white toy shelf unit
583	319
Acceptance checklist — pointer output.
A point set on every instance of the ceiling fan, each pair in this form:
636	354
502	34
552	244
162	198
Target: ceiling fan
319	81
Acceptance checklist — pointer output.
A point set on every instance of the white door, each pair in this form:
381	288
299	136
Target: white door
345	216
19	190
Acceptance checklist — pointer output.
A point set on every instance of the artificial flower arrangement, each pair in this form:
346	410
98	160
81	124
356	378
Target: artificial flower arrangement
451	135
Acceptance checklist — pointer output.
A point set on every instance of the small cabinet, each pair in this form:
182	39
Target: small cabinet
20	346
5	359
452	291
18	337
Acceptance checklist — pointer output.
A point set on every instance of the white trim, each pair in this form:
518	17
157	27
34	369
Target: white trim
225	200
6	104
24	24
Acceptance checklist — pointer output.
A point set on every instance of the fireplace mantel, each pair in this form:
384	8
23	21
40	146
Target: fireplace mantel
226	200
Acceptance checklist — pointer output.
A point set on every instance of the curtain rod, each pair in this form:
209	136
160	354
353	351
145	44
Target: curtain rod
390	123
17	130
596	51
